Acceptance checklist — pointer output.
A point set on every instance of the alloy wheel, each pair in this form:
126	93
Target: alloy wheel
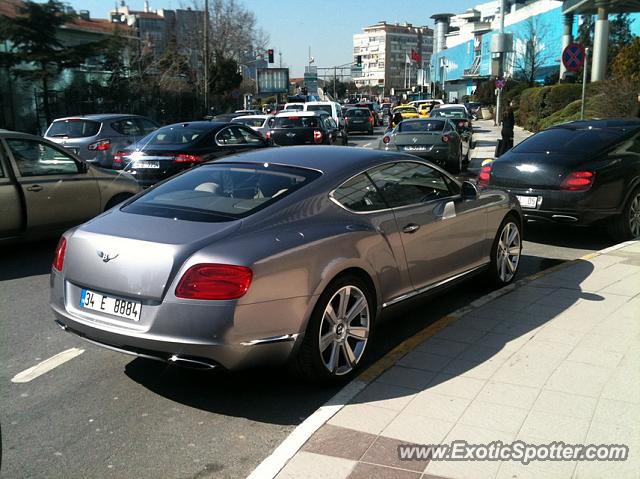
508	252
634	217
344	330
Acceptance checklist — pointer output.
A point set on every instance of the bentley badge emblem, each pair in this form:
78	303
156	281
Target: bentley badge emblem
106	257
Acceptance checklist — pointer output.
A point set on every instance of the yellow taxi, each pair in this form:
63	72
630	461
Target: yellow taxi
406	111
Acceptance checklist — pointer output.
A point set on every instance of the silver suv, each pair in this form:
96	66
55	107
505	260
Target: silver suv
97	138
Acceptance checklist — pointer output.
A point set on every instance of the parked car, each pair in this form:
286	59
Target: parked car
278	255
359	119
174	148
433	139
460	117
45	189
305	128
96	138
582	172
258	123
333	108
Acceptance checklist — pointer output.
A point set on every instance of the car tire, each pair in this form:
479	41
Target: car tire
116	200
505	252
337	357
455	168
626	226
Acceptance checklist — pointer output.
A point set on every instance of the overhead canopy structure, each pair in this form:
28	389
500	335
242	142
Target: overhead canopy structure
590	7
602	9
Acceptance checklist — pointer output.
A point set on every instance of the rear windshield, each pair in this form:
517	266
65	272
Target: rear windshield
358	112
419	126
408	109
326	108
254	122
568	140
221	191
449	113
176	135
296	122
74	128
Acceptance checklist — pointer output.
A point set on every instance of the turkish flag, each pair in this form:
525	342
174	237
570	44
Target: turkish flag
415	56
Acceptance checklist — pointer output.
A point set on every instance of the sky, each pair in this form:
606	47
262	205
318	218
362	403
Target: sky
327	26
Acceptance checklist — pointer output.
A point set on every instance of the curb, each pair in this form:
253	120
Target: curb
273	464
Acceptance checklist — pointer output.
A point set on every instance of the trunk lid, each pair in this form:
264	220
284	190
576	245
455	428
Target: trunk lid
527	170
145	252
421	138
293	136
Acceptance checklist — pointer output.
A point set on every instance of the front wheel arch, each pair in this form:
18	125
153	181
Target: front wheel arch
117	199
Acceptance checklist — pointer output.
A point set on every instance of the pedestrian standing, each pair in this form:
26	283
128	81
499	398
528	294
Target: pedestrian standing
508	123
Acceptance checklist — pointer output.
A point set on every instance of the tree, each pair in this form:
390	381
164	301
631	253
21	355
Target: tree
531	53
625	64
223	79
36	54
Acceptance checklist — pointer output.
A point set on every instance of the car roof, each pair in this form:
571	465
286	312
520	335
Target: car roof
330	160
320	103
601	123
289	113
99	117
212	125
452	107
252	117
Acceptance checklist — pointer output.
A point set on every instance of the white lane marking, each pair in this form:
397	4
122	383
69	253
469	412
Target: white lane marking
46	365
272	465
366	145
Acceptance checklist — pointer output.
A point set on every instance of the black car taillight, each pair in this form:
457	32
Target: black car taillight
317	136
485	175
101	145
184	158
578	181
386	139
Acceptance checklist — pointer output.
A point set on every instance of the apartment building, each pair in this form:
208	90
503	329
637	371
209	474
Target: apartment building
383	50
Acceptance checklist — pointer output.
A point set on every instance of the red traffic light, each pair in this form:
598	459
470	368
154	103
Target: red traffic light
270	53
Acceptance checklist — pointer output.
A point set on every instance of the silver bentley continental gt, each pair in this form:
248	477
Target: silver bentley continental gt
278	255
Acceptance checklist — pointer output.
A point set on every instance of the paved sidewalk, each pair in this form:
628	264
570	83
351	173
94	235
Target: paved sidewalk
555	359
486	138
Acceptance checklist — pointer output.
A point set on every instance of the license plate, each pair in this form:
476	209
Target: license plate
528	201
415	148
122	308
145	164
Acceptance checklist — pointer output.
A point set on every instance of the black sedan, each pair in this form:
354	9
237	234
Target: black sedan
177	147
433	139
305	128
583	172
359	119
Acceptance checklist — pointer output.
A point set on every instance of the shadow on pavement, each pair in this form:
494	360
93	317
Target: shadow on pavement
26	259
568	236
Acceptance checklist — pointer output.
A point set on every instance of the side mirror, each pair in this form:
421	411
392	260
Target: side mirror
468	190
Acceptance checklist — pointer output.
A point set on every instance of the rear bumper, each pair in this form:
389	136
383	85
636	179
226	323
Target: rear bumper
191	333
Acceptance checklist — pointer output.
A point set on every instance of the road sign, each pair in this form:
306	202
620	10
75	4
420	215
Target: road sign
573	57
500	83
273	80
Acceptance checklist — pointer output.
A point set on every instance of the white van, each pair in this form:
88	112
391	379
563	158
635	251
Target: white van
333	108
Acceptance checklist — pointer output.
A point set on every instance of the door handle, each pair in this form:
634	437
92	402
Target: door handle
34	188
411	228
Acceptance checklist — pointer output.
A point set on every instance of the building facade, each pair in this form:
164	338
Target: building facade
463	58
385	51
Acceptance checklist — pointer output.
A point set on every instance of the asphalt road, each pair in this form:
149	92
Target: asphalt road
103	414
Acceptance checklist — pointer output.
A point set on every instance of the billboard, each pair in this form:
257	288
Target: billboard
273	80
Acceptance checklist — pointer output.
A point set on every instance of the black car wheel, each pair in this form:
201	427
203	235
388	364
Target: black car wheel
627	225
455	166
339	329
506	251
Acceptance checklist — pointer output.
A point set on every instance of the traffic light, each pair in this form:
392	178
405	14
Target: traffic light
359	60
270	53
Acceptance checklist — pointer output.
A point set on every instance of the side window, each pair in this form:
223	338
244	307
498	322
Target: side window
147	126
359	194
230	136
408	183
331	123
128	127
1	171
250	137
34	158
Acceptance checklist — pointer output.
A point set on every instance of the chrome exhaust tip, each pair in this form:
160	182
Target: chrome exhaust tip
191	363
61	325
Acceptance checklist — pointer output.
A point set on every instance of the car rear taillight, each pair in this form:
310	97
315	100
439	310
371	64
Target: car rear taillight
386	139
578	181
371	120
58	257
102	145
317	136
485	175
118	158
346	121
184	158
267	135
446	138
214	281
